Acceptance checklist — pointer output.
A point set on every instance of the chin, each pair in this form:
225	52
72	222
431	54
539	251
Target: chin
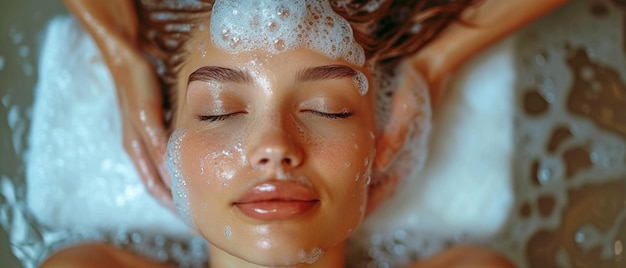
281	255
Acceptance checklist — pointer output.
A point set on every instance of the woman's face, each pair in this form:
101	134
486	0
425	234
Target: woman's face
275	151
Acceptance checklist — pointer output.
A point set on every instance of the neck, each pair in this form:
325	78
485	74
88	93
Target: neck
333	258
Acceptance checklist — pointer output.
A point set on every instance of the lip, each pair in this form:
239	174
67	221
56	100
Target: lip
277	200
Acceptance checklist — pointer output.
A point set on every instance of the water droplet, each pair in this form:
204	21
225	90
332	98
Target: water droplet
544	175
579	237
135	237
6	100
16	36
272	26
282	12
23	51
540	59
588	236
398	249
225	34
159	240
415	28
400	235
587	73
279	44
234	42
547	94
376	239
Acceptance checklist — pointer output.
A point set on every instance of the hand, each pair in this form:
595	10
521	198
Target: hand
409	121
479	27
144	134
113	26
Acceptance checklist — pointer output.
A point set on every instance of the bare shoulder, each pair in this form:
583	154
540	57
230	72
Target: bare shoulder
466	257
98	255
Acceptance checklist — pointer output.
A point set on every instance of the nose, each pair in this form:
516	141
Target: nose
275	146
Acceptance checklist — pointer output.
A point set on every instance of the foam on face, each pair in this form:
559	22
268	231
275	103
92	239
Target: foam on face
180	188
360	80
280	26
228	232
310	257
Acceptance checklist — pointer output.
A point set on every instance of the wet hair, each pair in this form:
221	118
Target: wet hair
388	31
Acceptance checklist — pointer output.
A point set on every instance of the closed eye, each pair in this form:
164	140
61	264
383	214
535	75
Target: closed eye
215	118
343	114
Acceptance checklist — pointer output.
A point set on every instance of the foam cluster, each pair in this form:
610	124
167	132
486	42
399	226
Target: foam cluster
280	26
180	189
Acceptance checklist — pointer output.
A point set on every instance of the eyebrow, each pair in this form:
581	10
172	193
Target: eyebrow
325	72
225	75
220	74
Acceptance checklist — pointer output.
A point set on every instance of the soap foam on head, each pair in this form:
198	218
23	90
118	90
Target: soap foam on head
280	26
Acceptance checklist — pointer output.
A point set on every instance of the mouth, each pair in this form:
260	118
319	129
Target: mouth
277	200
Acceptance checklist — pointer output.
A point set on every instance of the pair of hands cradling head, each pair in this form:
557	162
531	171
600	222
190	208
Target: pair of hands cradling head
114	27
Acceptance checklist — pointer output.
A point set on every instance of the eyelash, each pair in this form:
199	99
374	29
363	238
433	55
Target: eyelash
342	115
214	118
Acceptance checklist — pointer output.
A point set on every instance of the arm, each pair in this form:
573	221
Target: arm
465	257
95	255
481	26
114	27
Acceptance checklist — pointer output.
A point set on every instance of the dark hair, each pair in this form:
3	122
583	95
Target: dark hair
388	30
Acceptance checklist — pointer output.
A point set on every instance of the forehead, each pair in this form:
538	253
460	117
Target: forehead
280	26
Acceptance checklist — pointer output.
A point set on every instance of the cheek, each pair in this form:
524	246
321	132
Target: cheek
351	155
347	169
207	169
210	160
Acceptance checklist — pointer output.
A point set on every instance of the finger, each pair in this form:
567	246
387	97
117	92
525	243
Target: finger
402	120
149	125
143	101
